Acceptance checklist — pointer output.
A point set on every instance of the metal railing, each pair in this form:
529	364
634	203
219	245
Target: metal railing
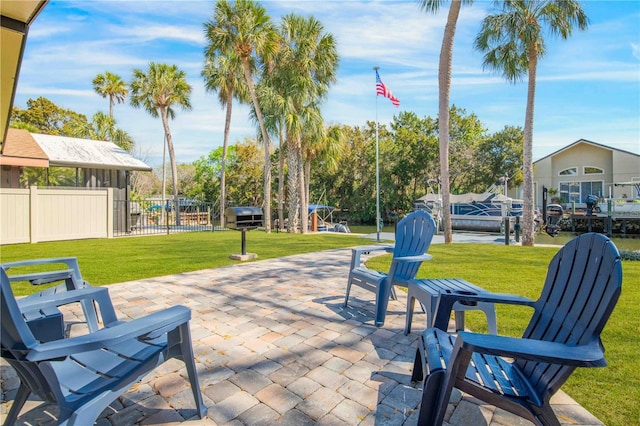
153	217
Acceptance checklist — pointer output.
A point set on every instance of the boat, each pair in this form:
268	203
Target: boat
474	212
321	218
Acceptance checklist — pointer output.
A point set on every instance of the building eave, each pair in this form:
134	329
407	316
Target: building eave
8	160
15	19
585	141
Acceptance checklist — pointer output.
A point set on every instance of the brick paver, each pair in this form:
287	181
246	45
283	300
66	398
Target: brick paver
274	345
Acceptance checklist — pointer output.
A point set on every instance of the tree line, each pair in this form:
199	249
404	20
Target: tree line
409	166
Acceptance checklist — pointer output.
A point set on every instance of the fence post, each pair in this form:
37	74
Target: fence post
507	230
33	208
110	208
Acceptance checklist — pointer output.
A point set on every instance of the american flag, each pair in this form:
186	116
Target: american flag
381	89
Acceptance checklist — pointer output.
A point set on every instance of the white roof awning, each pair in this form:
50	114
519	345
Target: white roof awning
64	151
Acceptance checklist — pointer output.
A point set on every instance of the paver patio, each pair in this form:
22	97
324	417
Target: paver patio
273	345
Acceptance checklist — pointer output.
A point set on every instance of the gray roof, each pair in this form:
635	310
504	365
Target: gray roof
64	151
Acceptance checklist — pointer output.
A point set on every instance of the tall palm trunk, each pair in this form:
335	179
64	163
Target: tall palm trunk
444	87
294	194
283	147
172	158
527	152
163	210
225	148
304	203
307	173
265	140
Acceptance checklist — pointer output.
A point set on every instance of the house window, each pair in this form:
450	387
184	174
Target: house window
569	191
578	191
590	170
571	171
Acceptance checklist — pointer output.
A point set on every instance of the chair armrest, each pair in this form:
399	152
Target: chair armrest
504	298
167	319
38	278
359	251
419	258
588	355
71	262
98	294
449	298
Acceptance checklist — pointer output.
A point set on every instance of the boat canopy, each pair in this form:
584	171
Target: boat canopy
635	184
315	207
324	213
485	197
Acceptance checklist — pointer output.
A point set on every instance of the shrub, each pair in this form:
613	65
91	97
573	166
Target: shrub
630	254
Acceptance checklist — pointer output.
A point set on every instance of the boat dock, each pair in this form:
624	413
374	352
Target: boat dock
611	217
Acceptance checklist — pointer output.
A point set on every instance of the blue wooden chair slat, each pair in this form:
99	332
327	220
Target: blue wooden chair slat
134	350
520	375
82	375
109	363
76	381
491	374
412	240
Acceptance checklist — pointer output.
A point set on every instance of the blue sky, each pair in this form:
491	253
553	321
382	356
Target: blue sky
588	86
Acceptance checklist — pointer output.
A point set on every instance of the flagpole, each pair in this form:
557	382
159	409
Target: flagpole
376	68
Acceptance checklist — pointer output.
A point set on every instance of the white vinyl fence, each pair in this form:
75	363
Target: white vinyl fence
53	214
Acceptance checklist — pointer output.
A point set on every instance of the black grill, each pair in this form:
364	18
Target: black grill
243	217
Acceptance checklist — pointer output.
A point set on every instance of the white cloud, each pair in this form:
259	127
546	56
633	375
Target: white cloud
49	92
635	50
151	32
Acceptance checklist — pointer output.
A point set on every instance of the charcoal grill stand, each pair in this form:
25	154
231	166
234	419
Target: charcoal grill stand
244	255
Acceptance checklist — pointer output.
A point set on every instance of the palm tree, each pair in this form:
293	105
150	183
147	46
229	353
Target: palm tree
324	146
306	68
512	42
223	73
158	91
286	122
309	127
274	101
109	85
245	28
105	129
102	128
444	89
273	108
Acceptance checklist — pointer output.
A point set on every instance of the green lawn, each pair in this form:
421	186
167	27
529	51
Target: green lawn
611	393
108	261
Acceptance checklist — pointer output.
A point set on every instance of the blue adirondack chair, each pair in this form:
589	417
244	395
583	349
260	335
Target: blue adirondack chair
83	375
413	238
520	375
47	324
